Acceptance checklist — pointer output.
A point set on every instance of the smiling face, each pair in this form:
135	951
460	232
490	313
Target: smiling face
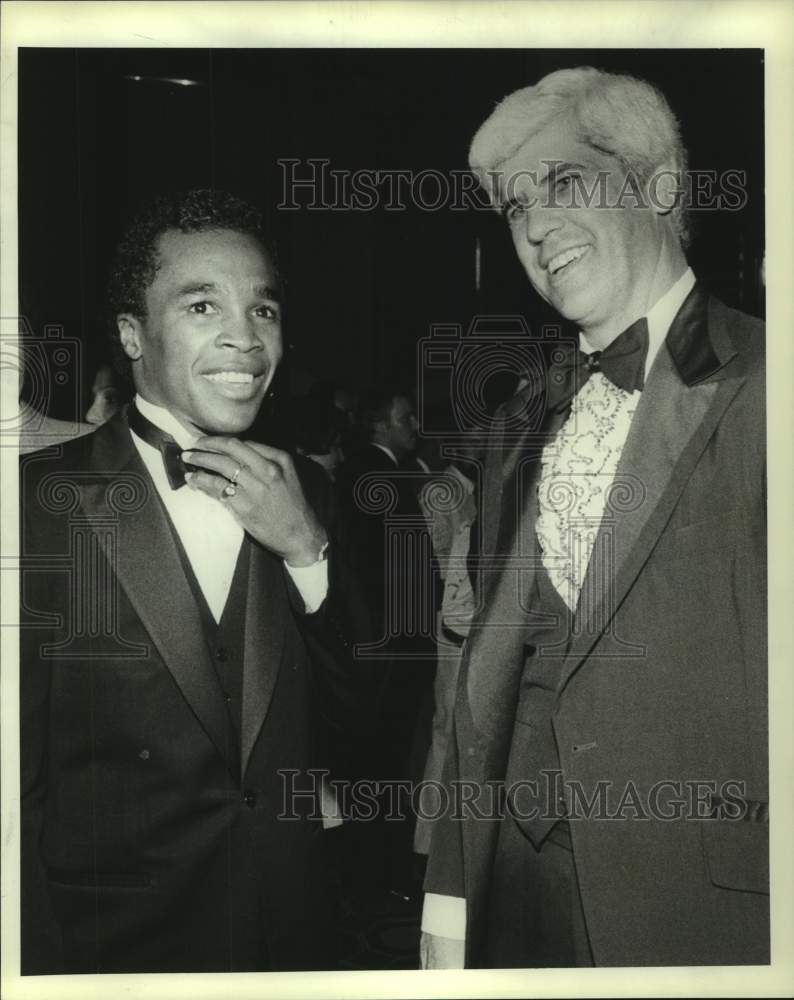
598	266
210	342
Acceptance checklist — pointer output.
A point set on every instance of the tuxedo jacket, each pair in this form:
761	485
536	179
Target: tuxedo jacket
154	834
661	697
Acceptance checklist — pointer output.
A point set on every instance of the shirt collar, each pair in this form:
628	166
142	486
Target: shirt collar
388	451
659	317
165	420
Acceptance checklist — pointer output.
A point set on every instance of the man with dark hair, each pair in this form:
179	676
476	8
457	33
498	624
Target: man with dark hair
137	257
610	733
168	684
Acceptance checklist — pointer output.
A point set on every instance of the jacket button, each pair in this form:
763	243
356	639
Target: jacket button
221	653
249	798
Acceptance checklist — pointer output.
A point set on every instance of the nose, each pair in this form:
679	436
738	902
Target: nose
240	331
539	222
94	415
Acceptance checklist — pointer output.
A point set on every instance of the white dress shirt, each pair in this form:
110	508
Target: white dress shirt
209	532
445	916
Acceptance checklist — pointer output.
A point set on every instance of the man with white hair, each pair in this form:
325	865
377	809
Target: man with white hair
607	775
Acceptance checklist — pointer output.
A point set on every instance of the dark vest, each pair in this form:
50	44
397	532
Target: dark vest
533	753
225	639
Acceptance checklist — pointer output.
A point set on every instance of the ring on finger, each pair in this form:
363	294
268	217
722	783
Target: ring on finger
236	476
229	490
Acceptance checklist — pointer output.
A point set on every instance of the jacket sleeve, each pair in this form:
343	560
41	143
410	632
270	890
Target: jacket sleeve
444	875
344	687
42	944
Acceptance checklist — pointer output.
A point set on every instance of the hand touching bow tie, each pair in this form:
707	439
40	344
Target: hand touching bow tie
175	468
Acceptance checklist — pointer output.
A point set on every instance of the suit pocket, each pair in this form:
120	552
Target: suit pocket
737	854
101	880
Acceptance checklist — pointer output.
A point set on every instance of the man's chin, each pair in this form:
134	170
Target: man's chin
580	303
228	421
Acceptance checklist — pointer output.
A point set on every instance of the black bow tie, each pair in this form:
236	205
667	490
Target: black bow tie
171	451
622	362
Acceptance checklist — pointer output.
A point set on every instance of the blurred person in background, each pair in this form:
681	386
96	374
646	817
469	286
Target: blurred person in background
317	427
450	505
107	397
383	529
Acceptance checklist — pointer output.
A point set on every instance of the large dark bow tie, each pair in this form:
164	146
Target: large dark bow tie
622	362
171	451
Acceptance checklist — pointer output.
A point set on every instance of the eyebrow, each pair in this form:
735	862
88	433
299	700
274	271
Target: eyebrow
556	168
200	289
268	292
209	287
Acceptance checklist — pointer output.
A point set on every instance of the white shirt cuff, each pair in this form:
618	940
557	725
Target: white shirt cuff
444	916
329	807
312	583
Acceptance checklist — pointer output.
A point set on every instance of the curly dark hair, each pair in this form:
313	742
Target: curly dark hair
136	261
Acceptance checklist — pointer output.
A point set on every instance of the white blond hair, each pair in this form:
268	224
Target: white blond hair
616	114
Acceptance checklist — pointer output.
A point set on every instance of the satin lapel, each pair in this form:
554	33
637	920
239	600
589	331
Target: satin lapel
498	636
267	617
671	428
123	509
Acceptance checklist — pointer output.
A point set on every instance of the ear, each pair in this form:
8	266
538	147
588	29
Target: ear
665	188
130	335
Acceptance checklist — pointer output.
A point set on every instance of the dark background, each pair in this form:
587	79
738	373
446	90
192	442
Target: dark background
363	286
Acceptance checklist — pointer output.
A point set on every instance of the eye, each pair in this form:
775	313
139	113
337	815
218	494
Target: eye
565	182
266	312
514	212
202	308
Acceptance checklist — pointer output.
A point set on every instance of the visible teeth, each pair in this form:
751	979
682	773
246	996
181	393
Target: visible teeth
565	258
240	377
